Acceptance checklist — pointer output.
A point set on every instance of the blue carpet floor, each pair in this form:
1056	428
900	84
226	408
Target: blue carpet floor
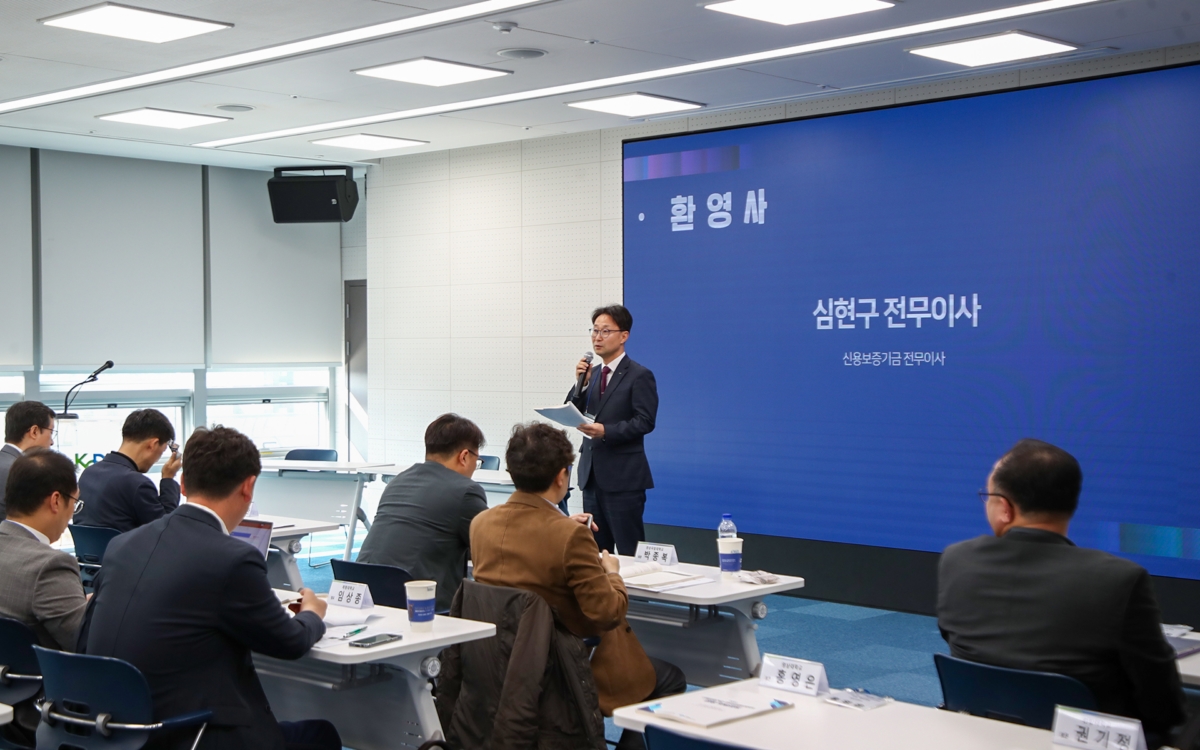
888	653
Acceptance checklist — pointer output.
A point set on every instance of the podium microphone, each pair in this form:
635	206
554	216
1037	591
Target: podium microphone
587	357
66	412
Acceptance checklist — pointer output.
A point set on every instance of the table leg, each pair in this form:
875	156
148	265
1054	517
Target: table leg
712	645
383	708
282	570
358	493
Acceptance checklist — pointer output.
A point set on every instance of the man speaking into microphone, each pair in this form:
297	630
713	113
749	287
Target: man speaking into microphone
623	398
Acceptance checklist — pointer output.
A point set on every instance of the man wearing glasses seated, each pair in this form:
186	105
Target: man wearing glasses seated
1028	598
27	424
424	519
39	585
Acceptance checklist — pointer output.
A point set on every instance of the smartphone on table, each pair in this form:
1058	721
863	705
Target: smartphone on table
372	641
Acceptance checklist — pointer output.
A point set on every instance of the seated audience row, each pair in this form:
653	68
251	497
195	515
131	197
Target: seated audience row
1024	597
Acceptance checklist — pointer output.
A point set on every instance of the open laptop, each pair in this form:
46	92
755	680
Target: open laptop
255	532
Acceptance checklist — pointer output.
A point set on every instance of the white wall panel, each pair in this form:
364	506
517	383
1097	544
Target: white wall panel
487	364
486	256
549	362
561	194
561	150
416	312
559	308
428	167
123	263
400	210
16	259
486	201
276	288
414	260
418	364
494	411
485	310
477	161
612	252
561	251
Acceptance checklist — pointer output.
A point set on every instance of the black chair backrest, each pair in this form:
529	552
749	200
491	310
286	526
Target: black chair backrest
311	454
17	658
85	687
385	581
491	463
91	542
1014	695
661	739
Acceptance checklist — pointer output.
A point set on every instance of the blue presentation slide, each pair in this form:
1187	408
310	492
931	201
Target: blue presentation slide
852	317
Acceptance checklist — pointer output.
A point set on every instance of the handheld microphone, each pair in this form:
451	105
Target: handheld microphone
587	357
106	366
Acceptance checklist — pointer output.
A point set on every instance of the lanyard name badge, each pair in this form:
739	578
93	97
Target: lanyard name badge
793	675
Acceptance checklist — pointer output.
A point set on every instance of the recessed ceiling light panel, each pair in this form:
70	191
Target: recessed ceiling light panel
990	50
636	105
133	23
788	12
430	72
162	118
365	142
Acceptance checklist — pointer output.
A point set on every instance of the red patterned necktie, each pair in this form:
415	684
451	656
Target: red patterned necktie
604	379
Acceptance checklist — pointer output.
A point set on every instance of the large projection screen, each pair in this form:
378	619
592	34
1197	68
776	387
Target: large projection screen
852	317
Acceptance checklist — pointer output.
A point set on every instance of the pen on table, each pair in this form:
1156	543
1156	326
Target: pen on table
285	526
352	633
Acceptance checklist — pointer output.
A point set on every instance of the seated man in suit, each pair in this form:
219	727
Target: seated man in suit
116	492
39	585
186	603
529	544
1028	598
424	519
27	424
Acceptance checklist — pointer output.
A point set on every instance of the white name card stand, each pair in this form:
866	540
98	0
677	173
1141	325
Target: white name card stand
793	675
663	554
352	595
1075	727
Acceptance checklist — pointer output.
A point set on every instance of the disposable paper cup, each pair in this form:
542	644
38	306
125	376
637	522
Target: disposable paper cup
730	551
422	598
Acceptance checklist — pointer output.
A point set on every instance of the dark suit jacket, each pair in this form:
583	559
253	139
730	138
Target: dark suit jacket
627	410
117	496
186	605
424	526
1033	600
528	544
8	455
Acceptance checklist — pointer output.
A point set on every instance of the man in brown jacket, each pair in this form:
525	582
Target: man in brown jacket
529	544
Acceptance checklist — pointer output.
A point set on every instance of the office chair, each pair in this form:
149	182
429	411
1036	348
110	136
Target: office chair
323	454
491	463
98	703
90	544
1013	695
20	675
385	581
661	739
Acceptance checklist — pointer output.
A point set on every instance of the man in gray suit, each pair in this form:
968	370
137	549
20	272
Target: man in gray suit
27	424
424	519
1028	598
39	585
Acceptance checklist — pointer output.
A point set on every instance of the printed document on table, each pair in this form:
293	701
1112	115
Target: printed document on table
566	415
651	577
705	710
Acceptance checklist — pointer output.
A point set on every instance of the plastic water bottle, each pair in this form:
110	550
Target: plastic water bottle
726	530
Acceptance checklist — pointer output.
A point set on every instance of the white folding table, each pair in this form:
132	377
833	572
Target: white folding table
317	491
813	723
286	533
378	698
706	630
498	485
1189	666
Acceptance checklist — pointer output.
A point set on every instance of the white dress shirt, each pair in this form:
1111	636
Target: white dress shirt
612	367
213	513
36	534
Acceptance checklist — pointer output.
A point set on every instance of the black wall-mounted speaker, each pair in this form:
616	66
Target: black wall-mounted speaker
304	198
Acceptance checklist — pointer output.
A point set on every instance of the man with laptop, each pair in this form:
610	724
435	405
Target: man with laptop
186	604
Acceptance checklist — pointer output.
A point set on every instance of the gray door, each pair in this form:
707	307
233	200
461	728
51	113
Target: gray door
356	364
